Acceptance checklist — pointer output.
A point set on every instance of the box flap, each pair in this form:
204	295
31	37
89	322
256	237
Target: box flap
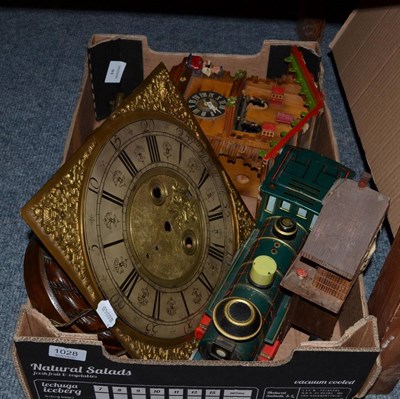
367	55
74	361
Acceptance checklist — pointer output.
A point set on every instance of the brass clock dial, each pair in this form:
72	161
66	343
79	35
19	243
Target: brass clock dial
144	220
158	226
207	104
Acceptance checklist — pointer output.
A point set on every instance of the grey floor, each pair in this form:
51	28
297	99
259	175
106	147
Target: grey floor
41	66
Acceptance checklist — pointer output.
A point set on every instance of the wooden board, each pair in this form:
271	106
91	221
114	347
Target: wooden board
339	246
384	303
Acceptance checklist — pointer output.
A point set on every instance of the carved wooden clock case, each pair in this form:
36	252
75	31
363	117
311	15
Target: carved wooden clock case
144	221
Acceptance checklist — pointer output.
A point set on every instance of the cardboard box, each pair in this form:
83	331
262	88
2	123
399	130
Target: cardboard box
366	52
367	66
52	364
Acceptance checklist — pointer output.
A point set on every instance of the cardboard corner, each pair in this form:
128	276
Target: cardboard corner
366	51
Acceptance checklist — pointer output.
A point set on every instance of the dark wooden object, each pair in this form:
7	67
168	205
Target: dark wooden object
310	318
384	304
311	20
52	293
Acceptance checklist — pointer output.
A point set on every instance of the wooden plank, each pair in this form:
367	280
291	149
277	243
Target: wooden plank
384	304
339	246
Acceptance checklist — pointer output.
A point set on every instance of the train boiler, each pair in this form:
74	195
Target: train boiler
246	313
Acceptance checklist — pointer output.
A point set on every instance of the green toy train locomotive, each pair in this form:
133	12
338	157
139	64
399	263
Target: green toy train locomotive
245	315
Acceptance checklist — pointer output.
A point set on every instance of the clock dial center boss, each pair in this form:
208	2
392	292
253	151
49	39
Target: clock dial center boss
173	244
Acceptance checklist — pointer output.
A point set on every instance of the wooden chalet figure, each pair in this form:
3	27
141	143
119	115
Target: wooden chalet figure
339	246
